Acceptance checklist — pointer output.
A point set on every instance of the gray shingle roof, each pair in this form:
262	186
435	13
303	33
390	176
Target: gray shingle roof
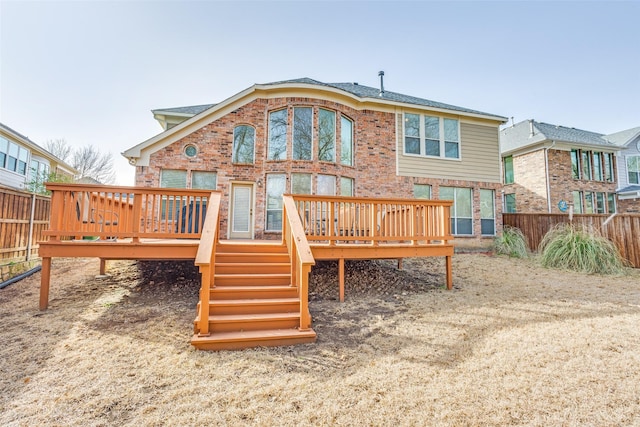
192	109
362	91
623	137
519	136
629	189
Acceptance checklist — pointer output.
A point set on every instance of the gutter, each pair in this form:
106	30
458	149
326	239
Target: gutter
20	277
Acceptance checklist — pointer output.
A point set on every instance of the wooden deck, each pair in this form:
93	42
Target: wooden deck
253	293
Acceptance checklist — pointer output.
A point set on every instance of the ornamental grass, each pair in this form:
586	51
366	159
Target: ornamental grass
580	248
511	242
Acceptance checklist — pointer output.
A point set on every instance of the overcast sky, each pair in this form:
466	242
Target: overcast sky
91	71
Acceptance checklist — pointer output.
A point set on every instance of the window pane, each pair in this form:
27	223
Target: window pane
486	204
4	145
597	166
326	185
301	183
588	203
451	150
577	202
633	169
172	178
586	165
275	190
487	227
346	186
600	203
243	144
13	150
464	226
302	140
451	130
346	141
446	193
203	180
463	202
432	128
608	167
575	164
421	191
508	170
432	147
3	159
326	136
611	203
412	134
277	135
510	203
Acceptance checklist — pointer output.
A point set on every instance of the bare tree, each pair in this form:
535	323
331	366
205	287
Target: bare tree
88	160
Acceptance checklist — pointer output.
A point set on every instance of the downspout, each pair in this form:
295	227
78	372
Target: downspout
546	168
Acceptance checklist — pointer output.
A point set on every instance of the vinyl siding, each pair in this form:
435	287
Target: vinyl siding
480	157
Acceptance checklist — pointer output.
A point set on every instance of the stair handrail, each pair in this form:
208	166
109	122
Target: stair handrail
294	237
205	259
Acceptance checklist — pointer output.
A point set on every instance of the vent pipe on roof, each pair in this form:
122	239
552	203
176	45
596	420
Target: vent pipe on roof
531	132
381	74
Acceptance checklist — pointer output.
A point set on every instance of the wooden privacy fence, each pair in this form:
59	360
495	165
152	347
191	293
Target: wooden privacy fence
23	219
623	229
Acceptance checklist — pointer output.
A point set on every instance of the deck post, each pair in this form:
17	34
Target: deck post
103	266
399	263
45	276
341	278
449	273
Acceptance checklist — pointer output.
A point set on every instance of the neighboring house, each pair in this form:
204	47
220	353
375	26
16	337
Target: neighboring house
628	161
24	165
307	137
549	168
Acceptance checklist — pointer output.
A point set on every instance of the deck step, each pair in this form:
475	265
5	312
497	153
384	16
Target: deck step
251	322
252	279
252	292
251	247
251	257
257	305
248	339
253	268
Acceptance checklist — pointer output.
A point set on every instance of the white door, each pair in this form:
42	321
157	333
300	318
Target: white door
241	212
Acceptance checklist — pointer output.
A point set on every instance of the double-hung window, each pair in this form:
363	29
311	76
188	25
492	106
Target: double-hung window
508	169
243	144
431	136
275	189
487	212
346	141
633	169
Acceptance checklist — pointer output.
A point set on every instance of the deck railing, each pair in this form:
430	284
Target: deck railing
360	220
293	235
82	211
205	260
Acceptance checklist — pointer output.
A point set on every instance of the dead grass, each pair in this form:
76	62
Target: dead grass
512	344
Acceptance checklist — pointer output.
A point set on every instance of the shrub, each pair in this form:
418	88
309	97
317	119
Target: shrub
511	242
580	248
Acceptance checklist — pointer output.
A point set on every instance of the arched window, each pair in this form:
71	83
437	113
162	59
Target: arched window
243	144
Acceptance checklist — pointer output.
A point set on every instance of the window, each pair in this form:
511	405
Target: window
275	189
487	213
326	185
346	186
243	144
588	203
346	141
204	180
431	136
326	136
608	167
510	203
461	212
421	191
633	169
13	157
190	151
173	178
277	149
575	164
600	206
586	165
577	202
302	133
38	175
598	174
4	149
508	169
301	183
611	202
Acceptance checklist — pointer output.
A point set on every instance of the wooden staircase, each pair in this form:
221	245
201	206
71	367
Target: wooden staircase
252	302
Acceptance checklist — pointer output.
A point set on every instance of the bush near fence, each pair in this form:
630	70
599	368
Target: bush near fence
23	218
622	229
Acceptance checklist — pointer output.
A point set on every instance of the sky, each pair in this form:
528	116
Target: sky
90	72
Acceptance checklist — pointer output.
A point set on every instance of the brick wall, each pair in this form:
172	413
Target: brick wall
374	168
629	206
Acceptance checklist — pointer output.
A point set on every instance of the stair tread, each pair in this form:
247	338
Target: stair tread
255	335
254	301
252	287
225	275
253	316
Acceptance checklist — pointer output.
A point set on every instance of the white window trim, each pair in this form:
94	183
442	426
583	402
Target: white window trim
440	135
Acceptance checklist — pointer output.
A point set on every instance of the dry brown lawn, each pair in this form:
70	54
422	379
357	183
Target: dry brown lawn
512	344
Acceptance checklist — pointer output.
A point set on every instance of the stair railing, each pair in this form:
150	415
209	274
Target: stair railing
294	237
205	260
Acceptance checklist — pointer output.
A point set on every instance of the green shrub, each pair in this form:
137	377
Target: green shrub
580	248
511	242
